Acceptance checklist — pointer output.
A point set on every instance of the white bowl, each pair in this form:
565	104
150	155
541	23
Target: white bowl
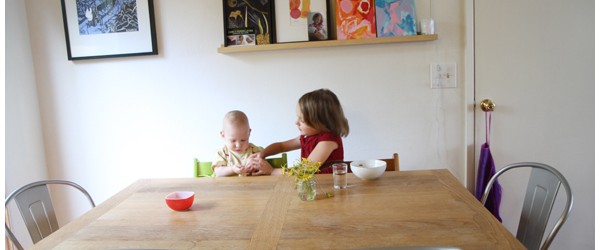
368	169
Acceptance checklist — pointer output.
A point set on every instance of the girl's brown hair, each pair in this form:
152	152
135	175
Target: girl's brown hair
322	110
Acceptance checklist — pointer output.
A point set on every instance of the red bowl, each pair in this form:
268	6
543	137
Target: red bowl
180	200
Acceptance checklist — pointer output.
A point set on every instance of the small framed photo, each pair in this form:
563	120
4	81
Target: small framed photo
109	28
242	39
317	26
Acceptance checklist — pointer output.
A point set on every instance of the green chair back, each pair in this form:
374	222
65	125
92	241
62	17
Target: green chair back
278	162
204	168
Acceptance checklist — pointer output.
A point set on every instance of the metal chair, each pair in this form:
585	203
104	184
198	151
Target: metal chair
204	168
35	206
392	164
542	188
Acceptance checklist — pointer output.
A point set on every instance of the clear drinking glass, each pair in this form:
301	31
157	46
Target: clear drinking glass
427	26
339	175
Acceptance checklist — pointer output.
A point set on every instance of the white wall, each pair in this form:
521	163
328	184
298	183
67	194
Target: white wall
23	127
25	159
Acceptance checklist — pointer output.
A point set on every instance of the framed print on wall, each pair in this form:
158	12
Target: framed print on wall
109	28
248	22
317	26
292	19
395	18
355	19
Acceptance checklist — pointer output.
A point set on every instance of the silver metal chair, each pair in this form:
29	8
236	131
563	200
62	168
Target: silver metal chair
35	206
542	188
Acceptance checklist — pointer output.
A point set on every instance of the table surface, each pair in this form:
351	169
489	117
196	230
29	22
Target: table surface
406	208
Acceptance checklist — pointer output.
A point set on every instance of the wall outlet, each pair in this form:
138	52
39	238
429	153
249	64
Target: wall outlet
443	75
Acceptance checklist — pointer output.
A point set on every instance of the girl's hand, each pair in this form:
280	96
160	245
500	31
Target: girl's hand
262	167
256	155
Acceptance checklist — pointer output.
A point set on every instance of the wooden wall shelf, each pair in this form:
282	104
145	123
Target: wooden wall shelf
328	43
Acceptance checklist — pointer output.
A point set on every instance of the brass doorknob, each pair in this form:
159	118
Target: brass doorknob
487	105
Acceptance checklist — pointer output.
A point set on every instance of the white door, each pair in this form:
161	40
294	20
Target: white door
535	60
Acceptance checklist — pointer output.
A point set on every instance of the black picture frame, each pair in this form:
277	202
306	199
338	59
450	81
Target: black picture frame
109	28
252	20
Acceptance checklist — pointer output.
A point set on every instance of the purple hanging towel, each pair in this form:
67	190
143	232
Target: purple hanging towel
485	172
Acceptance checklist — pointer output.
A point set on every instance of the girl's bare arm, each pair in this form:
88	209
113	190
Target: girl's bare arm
280	147
322	151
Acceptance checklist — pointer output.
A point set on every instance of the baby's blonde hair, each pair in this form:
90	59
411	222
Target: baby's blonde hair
322	110
235	118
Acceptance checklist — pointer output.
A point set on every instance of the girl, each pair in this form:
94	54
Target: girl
322	125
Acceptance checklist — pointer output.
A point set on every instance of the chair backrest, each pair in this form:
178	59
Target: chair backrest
392	164
204	168
541	192
35	206
278	162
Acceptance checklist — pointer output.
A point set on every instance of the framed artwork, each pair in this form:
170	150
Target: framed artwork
317	26
355	19
294	17
109	28
248	22
395	18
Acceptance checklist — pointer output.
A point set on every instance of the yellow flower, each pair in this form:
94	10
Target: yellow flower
303	170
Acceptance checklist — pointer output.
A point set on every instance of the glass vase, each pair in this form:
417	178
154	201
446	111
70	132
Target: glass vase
307	190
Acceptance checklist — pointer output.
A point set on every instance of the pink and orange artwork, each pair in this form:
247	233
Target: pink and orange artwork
355	19
298	11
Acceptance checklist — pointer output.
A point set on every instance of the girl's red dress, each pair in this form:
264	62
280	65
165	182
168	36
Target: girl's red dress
308	144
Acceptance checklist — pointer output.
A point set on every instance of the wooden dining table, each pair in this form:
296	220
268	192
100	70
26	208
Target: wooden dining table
406	208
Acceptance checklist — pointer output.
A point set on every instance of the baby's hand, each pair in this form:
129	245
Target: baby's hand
249	166
241	170
236	169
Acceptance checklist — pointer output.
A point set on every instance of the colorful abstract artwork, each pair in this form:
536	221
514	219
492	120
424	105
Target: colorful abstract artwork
355	19
395	18
298	11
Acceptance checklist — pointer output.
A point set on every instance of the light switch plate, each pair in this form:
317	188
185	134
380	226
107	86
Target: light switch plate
443	75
